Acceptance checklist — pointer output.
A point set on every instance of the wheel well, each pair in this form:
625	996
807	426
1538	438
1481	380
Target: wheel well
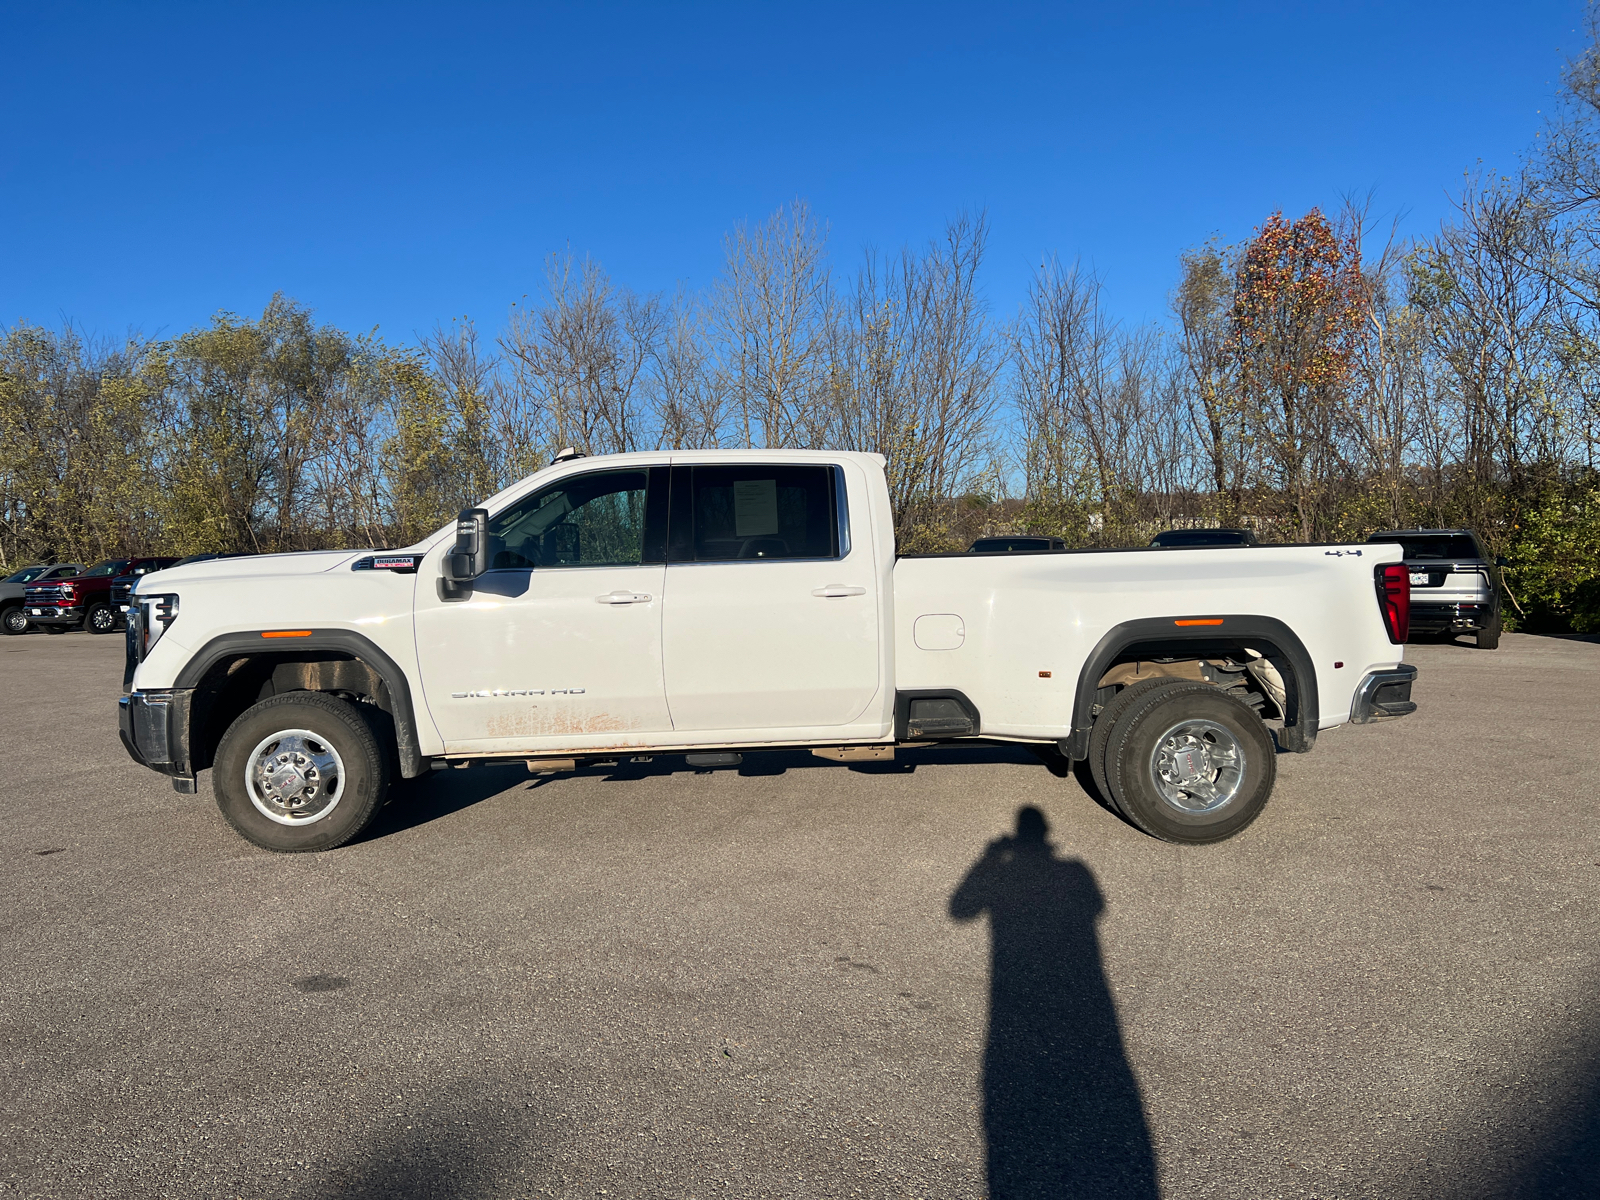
1212	653
235	682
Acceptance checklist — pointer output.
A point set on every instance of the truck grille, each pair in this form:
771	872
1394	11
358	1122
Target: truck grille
120	593
48	594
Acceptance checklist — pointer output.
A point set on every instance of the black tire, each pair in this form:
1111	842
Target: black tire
1100	737
1131	763
1489	639
57	628
14	621
101	618
331	724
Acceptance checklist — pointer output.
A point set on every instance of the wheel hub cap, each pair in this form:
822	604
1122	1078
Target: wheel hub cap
294	777
1197	766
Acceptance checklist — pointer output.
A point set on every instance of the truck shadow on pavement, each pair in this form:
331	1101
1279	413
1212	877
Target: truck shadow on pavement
1062	1112
417	802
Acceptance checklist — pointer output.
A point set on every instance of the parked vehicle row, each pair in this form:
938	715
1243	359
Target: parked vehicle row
13	591
57	597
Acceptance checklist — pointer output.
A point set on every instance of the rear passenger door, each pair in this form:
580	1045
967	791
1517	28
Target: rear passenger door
770	618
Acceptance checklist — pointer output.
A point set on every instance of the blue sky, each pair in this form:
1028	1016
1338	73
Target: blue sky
399	165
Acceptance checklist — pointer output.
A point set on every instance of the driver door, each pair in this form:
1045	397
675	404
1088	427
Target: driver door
558	645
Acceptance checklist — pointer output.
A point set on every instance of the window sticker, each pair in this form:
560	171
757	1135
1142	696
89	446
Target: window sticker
755	507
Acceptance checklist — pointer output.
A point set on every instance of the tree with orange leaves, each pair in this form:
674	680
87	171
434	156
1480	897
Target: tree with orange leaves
1297	311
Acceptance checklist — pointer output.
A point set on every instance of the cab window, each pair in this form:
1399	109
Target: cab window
593	520
759	511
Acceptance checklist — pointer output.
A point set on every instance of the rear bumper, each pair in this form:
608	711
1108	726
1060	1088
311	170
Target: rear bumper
1439	618
155	732
1383	695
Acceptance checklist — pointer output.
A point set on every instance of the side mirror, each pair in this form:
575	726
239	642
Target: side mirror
1502	561
470	558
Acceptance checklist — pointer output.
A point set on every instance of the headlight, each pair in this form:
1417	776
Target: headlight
155	614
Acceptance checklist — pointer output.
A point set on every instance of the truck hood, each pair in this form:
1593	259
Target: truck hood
264	566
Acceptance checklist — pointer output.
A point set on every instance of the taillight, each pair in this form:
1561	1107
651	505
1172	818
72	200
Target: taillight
1394	600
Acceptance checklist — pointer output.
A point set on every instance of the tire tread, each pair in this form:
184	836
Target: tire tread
241	814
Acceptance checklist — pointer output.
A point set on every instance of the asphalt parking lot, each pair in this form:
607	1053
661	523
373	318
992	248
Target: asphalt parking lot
649	981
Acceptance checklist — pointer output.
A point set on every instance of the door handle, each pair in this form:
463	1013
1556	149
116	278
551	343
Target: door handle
624	598
834	590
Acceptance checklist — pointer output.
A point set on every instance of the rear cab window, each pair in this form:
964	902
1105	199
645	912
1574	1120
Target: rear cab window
756	512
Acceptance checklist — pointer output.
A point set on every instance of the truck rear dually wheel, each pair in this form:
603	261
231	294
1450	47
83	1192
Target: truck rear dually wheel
300	772
1106	723
1190	764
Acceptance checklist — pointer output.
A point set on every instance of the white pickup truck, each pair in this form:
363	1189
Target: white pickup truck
711	602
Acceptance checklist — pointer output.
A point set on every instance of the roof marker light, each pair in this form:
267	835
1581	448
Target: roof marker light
1200	621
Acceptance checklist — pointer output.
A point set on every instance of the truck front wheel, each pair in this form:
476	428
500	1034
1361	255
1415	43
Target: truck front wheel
14	620
1190	764
300	772
102	618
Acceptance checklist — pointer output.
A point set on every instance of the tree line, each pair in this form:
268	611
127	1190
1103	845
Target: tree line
1321	379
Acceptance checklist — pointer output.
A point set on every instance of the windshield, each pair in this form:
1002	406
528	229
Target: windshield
1441	546
26	574
111	566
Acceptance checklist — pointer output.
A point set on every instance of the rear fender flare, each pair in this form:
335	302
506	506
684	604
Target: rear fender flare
1161	635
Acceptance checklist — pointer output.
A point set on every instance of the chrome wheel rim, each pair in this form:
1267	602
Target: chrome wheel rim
294	777
16	622
103	618
1197	766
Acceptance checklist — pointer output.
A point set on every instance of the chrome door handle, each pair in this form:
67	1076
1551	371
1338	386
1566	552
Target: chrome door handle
624	598
834	590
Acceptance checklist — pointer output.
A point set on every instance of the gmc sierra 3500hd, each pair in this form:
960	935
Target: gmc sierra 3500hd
711	602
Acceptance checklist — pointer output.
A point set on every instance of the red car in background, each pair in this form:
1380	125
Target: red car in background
84	601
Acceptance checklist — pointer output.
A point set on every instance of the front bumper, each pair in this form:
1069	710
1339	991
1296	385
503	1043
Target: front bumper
154	727
53	614
1383	695
1441	618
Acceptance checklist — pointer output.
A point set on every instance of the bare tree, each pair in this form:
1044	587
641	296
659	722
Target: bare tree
771	312
912	365
576	360
1201	304
687	400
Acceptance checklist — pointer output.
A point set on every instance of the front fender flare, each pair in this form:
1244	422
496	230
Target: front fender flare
341	641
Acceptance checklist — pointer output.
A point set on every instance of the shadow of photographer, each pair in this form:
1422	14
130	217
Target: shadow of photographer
1061	1108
